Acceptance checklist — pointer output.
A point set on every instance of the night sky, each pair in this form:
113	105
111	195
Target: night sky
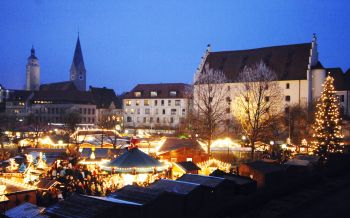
130	42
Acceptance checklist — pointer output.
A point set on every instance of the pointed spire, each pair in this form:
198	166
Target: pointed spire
32	53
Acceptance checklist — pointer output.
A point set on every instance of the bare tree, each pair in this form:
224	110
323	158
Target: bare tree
37	125
257	102
209	104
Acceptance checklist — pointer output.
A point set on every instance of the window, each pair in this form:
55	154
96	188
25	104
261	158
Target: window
146	102
84	110
155	102
147	111
128	102
156	111
173	111
132	111
137	103
228	110
158	120
172	93
210	99
287	98
169	102
144	119
171	119
138	110
183	111
154	94
228	100
126	110
177	103
128	119
266	86
137	94
93	111
163	111
287	86
267	98
89	111
162	102
151	119
341	98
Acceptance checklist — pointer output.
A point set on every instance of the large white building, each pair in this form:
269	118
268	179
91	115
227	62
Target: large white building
299	72
156	106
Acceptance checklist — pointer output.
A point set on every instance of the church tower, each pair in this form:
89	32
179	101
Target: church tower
77	69
32	72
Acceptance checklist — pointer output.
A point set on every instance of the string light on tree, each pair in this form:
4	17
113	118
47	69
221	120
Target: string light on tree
327	137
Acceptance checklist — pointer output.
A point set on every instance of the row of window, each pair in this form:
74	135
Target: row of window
87	111
146	102
150	120
155	94
157	111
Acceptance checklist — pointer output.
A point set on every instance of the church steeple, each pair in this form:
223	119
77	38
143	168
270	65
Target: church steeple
77	70
32	72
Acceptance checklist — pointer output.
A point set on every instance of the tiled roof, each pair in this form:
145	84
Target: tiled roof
163	90
59	86
290	62
172	143
19	95
341	81
103	97
64	96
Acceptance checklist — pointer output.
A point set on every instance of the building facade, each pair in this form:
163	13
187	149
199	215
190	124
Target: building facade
299	72
32	72
156	106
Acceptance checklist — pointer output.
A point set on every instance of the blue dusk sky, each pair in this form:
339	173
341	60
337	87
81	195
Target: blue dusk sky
129	42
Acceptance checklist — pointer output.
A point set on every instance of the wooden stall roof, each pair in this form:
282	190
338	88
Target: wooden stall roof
25	210
208	181
78	206
239	180
174	186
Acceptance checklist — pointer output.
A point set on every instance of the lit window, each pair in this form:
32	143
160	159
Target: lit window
153	94
137	94
132	111
146	102
172	93
137	103
128	103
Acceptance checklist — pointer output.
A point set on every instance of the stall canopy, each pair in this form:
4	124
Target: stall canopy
134	160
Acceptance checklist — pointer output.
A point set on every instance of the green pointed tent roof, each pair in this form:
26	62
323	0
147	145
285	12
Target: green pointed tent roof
135	160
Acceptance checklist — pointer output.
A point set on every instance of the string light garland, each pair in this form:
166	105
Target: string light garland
327	137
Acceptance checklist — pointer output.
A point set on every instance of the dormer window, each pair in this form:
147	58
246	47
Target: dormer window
173	93
154	94
137	94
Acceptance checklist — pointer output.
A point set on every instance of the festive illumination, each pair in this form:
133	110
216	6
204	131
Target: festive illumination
212	164
327	137
227	143
13	165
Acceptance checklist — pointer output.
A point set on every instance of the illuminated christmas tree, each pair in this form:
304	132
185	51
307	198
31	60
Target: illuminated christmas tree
327	129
